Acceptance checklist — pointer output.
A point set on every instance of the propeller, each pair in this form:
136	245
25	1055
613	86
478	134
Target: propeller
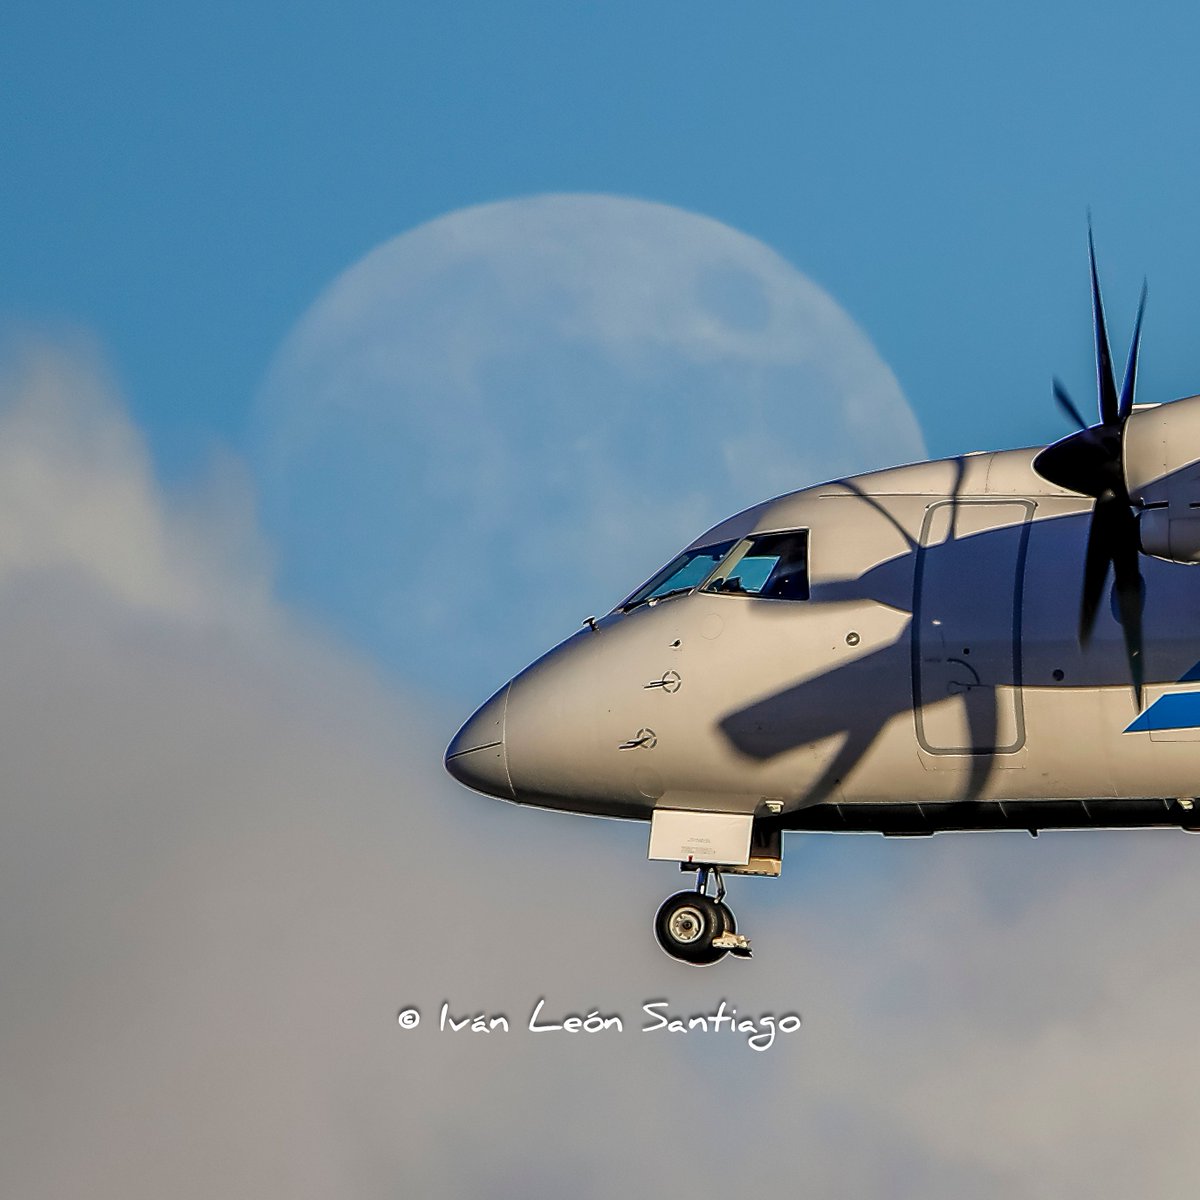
1090	462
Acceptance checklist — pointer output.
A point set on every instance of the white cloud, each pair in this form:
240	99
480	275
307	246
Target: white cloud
77	495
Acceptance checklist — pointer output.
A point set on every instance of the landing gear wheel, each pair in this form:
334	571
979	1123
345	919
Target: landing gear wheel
686	925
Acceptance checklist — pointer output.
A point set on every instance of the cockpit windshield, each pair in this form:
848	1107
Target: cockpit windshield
773	566
689	570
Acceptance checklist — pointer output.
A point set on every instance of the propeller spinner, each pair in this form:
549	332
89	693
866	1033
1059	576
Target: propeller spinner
1090	462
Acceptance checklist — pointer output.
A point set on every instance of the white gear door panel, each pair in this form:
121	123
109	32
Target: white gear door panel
678	835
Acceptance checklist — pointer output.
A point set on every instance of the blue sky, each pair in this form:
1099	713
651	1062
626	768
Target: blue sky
185	182
224	790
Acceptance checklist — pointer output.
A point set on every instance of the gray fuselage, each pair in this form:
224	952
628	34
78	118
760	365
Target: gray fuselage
930	677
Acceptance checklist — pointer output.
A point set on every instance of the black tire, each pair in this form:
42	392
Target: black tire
686	925
727	914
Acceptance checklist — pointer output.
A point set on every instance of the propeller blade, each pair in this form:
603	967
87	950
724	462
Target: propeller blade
1090	462
1125	405
1109	408
1066	404
1113	539
1095	564
1128	582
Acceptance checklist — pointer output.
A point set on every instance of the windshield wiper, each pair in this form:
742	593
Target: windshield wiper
655	599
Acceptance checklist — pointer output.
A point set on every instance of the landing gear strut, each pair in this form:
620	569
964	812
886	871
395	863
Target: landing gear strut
697	928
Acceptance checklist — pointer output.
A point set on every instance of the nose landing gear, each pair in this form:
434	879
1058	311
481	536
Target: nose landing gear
697	928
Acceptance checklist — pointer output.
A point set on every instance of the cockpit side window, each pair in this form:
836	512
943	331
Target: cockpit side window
772	566
683	574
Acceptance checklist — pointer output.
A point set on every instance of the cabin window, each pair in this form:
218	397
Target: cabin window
681	575
772	566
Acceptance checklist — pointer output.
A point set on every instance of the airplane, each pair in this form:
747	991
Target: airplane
929	648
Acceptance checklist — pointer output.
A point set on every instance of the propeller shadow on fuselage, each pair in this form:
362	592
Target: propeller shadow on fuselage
857	700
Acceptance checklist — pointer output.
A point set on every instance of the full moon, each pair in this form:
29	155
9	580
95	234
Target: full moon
502	421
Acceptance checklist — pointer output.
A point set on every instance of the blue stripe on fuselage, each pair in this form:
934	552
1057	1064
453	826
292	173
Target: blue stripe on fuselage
1176	710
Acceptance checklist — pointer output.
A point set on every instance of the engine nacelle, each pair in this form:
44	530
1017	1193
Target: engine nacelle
1173	538
1161	463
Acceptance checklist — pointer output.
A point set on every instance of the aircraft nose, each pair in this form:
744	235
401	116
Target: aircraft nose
477	757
